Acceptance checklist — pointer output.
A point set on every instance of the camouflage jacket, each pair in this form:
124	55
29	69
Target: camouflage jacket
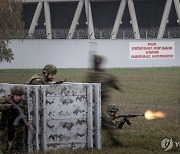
38	79
107	81
7	112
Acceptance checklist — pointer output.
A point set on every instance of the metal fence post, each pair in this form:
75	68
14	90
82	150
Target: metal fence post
90	116
97	115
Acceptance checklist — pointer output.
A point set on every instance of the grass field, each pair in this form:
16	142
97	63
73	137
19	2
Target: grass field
144	88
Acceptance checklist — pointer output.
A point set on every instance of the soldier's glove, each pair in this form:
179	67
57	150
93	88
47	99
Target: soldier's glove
119	123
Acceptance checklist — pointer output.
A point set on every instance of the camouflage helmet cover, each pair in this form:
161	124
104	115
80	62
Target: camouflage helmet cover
112	108
17	90
49	68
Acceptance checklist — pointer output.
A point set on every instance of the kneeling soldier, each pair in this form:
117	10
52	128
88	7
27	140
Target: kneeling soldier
112	112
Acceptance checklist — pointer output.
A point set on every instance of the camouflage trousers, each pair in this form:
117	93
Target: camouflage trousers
13	138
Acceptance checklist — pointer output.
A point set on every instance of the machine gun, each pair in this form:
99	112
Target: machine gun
126	117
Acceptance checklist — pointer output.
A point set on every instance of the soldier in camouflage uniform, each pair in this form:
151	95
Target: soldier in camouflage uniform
112	112
44	78
99	75
13	134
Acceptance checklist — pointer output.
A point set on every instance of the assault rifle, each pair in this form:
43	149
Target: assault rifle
126	117
20	116
60	82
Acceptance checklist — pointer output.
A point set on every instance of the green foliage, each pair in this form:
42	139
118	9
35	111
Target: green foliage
5	52
10	17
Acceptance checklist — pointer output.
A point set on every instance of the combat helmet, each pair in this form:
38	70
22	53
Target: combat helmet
49	68
17	90
112	108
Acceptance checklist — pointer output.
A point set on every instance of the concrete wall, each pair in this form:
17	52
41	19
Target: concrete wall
76	54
